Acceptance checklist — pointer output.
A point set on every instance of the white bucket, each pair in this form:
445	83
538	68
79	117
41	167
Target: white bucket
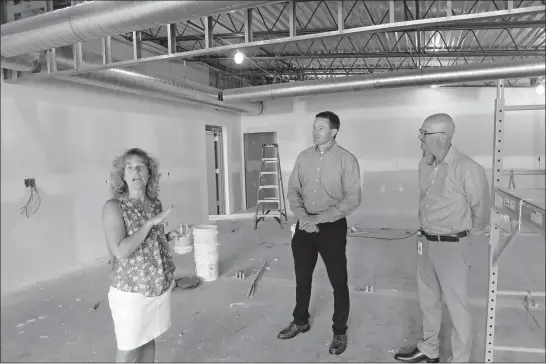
293	229
205	247
182	245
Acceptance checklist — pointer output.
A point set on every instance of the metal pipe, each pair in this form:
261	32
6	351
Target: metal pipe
132	81
22	63
412	78
35	64
99	19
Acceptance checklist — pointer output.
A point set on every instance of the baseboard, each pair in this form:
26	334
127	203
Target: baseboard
239	216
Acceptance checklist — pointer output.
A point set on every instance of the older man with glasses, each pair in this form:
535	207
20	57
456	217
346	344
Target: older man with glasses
453	204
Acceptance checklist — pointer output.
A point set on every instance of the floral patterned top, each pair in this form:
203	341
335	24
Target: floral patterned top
150	269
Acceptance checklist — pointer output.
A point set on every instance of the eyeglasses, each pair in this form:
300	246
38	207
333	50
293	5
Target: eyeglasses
424	133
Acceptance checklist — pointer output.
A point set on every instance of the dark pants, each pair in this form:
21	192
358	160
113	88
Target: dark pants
330	242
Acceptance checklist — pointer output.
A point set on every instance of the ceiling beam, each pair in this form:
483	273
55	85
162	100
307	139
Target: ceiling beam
439	54
531	24
398	26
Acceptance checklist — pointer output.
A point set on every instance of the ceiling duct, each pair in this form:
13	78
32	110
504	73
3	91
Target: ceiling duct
22	63
132	81
99	19
420	77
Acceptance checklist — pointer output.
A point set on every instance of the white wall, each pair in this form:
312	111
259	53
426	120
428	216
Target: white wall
65	136
380	128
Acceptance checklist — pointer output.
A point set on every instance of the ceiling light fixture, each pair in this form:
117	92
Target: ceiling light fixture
434	86
540	89
238	57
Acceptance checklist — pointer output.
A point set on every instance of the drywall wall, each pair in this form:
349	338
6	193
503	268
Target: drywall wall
65	136
380	128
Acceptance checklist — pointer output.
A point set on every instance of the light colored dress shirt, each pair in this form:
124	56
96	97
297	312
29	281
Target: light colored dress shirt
325	183
454	195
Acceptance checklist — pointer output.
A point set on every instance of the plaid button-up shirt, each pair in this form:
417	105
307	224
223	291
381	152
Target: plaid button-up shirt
454	195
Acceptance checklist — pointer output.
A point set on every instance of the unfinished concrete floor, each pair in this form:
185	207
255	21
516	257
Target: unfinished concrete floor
56	320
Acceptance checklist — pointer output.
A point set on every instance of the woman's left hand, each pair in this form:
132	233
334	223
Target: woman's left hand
173	234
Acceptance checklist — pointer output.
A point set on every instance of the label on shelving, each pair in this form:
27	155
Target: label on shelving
536	217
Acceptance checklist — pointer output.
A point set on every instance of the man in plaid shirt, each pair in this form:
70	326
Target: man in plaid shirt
454	204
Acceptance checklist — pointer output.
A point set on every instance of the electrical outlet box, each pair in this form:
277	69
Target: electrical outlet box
29	182
513	205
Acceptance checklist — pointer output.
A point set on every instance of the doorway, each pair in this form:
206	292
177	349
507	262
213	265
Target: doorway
215	169
253	159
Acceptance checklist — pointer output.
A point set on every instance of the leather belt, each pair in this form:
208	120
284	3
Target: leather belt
448	238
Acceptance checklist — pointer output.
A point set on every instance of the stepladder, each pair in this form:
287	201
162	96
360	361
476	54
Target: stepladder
271	198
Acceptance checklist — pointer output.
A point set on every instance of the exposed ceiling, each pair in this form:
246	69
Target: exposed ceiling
472	41
308	40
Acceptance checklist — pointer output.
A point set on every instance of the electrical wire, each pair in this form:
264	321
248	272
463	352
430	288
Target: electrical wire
30	206
357	234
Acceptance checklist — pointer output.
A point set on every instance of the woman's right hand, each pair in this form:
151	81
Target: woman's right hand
159	218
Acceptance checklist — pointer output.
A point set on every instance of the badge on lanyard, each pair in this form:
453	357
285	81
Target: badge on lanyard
419	248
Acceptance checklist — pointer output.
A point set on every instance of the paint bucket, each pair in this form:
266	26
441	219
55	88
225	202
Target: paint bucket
183	244
293	229
205	247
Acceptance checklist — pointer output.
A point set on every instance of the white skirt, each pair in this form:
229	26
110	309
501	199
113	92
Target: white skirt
139	319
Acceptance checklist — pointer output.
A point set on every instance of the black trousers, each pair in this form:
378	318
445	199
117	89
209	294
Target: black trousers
330	242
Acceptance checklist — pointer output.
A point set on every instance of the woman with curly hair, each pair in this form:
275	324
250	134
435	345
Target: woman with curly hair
141	280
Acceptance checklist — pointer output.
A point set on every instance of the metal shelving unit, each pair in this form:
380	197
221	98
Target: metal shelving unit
526	207
521	172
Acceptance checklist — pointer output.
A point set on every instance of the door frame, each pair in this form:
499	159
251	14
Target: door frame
245	135
220	148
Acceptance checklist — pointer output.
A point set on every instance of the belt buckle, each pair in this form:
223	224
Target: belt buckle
420	232
439	238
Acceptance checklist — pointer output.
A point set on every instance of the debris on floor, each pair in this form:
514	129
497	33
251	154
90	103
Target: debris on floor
187	282
227	310
369	288
25	323
240	275
239	304
253	287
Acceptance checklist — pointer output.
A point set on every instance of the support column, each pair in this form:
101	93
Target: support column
494	238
